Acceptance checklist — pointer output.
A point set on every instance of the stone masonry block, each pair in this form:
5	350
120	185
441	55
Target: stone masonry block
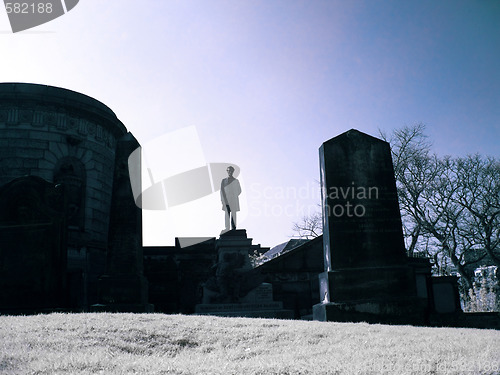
46	164
53	147
49	156
63	148
45	136
86	157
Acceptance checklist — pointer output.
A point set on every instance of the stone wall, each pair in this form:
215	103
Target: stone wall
294	277
176	274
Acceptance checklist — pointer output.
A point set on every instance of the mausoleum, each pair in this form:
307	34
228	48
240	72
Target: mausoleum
57	168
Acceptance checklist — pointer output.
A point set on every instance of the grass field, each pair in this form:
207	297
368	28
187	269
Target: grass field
175	344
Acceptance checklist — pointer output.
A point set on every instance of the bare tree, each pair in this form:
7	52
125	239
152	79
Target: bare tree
450	204
414	168
310	226
479	195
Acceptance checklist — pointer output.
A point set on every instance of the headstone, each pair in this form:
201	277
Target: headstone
446	299
367	277
124	287
32	245
422	268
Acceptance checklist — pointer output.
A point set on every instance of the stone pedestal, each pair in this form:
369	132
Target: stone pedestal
231	292
235	243
258	303
271	310
398	311
374	295
360	284
367	276
228	282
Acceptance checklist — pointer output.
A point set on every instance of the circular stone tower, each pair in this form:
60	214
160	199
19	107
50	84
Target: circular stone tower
65	138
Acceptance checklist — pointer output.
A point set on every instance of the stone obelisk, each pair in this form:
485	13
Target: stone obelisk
367	276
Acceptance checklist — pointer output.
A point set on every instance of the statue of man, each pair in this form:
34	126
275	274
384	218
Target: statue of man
230	189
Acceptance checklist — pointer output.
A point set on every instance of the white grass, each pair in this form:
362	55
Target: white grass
175	344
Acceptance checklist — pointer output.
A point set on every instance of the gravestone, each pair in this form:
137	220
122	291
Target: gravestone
124	287
366	275
32	245
446	299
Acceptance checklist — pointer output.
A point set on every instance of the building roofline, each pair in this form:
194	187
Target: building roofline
57	96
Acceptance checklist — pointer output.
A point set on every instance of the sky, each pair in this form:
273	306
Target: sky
265	82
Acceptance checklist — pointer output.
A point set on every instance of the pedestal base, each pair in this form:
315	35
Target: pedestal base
404	311
273	310
380	283
123	308
374	295
258	303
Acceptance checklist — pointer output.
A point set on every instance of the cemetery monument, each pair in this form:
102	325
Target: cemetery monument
366	272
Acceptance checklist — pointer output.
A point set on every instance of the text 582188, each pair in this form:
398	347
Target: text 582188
25	8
